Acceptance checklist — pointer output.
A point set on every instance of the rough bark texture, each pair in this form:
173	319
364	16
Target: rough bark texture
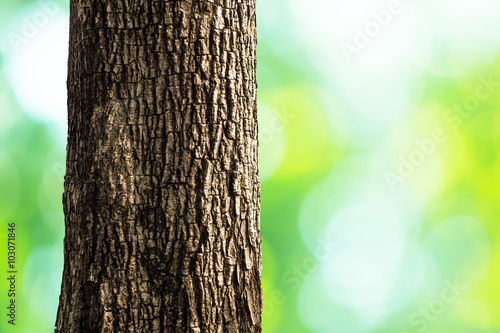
161	195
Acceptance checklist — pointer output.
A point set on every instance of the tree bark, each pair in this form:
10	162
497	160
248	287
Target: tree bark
161	194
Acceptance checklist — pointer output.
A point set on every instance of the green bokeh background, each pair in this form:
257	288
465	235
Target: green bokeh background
379	131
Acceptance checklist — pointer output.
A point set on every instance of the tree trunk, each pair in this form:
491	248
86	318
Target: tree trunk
161	194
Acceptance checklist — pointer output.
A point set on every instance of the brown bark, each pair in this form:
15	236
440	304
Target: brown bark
161	194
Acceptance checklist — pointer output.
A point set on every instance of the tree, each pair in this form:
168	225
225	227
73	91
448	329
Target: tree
161	193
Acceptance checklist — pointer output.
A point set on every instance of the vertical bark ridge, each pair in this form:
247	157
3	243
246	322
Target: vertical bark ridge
162	196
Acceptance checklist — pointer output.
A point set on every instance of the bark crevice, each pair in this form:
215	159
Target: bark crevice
161	194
